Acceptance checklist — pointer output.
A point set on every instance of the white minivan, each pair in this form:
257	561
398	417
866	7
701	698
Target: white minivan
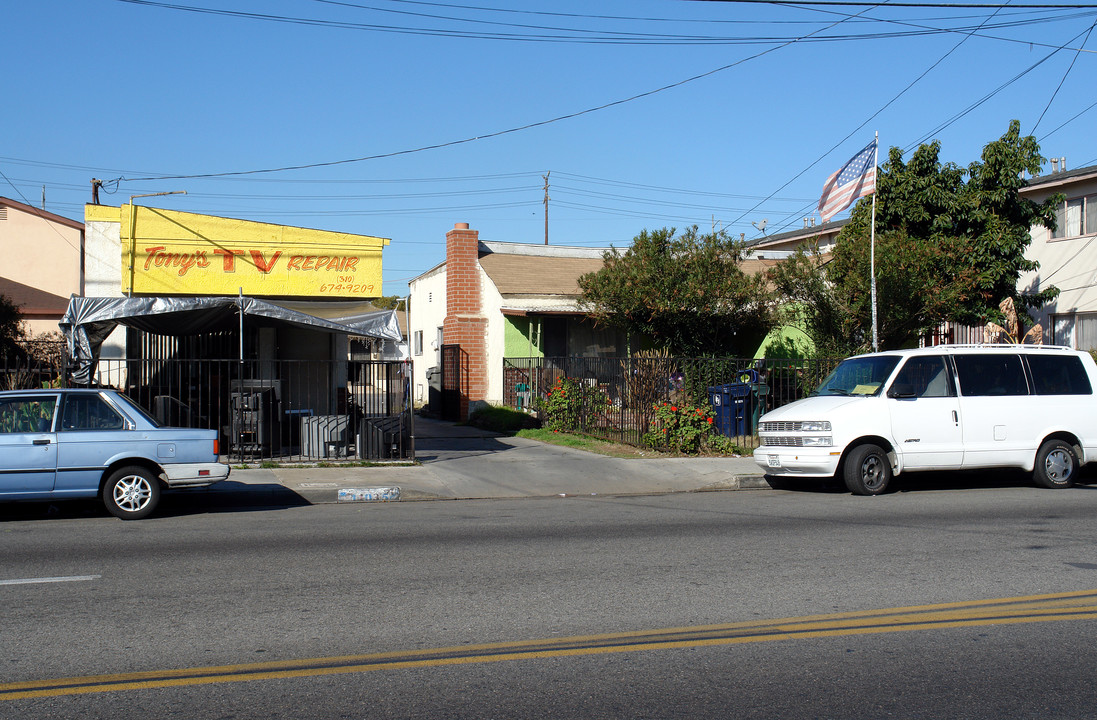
948	407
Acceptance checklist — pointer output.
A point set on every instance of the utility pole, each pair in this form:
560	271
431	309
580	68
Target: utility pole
546	177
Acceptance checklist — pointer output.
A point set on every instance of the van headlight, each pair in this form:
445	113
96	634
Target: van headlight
815	426
817	440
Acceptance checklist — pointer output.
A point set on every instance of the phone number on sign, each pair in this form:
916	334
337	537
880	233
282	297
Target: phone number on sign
347	288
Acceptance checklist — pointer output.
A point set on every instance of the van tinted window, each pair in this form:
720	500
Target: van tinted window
1059	375
991	374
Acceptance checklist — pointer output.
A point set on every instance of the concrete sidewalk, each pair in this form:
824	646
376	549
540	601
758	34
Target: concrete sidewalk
460	462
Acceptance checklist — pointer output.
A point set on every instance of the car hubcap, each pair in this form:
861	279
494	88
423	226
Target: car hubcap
132	493
872	472
1059	465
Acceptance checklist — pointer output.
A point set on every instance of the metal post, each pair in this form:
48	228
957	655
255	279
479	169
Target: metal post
872	250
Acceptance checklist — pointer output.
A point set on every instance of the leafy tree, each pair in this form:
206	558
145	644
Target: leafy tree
950	245
685	292
388	302
11	327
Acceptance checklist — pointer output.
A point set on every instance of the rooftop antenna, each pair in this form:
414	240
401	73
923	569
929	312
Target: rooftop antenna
761	226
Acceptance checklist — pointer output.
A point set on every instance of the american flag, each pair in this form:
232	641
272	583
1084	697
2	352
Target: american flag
856	179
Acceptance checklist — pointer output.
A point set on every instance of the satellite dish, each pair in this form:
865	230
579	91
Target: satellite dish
761	225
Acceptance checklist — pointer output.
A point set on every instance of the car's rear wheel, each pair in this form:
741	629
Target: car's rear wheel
867	470
131	493
1056	465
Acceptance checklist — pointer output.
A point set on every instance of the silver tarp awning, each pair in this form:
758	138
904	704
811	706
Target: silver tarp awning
88	321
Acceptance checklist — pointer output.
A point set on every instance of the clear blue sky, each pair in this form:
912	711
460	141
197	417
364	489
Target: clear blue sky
761	103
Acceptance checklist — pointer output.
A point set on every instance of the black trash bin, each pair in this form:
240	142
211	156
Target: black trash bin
434	390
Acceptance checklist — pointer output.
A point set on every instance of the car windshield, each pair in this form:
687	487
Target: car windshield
860	376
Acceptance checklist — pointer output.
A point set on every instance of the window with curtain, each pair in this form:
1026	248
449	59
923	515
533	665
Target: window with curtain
1077	330
1076	217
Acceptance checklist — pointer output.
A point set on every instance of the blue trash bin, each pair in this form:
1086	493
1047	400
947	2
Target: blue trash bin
731	404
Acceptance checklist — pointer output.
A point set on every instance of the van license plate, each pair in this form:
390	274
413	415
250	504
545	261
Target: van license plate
775	461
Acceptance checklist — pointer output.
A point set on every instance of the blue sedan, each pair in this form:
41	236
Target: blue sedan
75	443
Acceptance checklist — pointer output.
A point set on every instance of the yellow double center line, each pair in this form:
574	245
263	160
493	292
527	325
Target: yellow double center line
1080	605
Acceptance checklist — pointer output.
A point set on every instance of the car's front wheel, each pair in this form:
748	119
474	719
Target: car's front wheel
867	470
131	493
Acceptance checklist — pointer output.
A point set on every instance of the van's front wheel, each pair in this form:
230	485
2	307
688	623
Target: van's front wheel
1056	465
867	470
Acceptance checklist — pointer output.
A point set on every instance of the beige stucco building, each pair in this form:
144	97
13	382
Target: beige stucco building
43	263
1067	258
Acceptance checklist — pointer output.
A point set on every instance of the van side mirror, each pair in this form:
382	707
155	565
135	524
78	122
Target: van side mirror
901	390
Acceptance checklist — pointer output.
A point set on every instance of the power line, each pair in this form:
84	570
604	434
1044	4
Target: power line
579	35
1062	80
853	3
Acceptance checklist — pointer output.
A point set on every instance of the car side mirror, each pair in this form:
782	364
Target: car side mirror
901	390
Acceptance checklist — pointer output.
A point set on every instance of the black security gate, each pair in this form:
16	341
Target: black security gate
454	382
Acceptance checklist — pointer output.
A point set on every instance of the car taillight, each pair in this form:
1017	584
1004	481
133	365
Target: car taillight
217	447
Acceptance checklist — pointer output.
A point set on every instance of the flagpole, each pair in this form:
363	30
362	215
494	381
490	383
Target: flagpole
872	249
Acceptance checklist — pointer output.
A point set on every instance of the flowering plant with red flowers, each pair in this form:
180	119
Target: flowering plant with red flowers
569	403
679	426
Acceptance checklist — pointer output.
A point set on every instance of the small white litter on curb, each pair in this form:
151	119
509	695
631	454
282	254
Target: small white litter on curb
377	494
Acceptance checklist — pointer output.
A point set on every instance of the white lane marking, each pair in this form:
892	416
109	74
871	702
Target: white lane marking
32	581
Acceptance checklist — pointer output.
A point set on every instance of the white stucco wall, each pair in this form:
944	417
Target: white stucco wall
427	314
492	303
103	270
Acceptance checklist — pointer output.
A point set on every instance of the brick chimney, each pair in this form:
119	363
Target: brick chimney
465	324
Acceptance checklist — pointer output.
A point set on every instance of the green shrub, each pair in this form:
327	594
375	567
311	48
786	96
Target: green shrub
682	427
569	404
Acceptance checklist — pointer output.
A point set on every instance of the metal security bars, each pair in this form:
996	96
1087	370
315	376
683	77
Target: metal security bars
265	410
629	389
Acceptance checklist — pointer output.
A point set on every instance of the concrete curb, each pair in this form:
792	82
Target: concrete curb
357	491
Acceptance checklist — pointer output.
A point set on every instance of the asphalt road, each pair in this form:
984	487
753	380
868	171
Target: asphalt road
734	604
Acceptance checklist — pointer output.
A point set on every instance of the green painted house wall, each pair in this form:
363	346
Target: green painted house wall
519	336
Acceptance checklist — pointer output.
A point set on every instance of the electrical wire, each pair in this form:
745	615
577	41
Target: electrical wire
1062	80
38	213
861	126
564	35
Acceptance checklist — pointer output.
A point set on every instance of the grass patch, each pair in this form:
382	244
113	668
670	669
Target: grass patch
589	444
502	420
508	421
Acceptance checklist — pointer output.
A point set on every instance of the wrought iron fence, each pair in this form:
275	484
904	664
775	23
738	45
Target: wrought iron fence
736	390
282	410
22	372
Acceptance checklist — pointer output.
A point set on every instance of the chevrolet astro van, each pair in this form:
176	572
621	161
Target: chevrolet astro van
949	407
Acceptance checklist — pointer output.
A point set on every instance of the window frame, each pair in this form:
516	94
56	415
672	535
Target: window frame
1086	213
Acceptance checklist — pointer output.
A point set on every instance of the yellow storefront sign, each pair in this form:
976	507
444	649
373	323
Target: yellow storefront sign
177	253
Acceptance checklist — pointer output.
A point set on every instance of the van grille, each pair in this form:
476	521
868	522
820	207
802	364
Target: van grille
782	441
781	427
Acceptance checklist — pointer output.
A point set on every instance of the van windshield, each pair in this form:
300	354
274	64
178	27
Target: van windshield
861	376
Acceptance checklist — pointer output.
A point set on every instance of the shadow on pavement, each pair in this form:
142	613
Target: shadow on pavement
934	481
226	496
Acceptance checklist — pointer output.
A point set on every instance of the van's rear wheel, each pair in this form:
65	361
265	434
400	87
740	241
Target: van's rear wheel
1056	465
867	470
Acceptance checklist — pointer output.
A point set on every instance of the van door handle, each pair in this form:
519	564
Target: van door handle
42	442
955	417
